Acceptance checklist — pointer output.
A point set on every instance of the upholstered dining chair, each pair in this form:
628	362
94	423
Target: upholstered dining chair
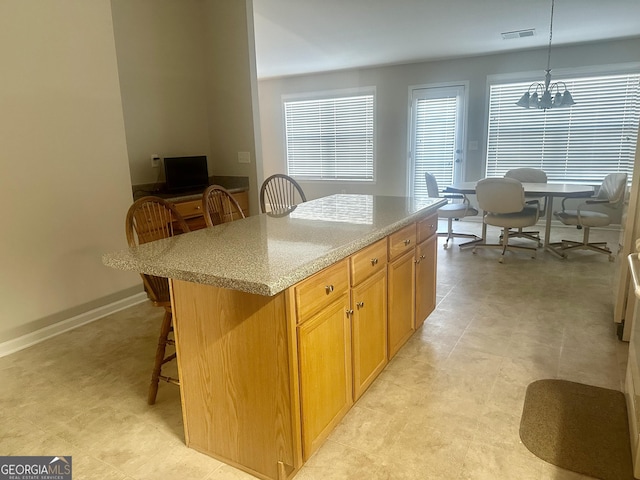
280	192
610	195
148	219
451	211
504	205
219	206
529	175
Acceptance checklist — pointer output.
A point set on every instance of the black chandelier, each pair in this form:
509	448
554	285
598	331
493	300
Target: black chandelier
547	95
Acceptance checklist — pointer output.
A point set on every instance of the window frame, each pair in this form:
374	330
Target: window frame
330	95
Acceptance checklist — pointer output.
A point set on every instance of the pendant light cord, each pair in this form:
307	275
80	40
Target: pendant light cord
550	37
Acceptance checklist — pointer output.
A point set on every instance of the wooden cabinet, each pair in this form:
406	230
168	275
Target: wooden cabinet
193	213
401	301
264	380
324	353
369	330
401	287
426	254
369	318
426	266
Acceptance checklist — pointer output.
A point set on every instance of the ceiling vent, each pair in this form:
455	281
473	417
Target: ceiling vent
530	32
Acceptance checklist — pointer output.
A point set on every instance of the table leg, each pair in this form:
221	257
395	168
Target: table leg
547	227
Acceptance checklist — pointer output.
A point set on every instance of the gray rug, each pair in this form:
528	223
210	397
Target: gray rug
578	427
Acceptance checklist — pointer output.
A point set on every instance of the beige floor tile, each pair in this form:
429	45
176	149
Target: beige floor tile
447	406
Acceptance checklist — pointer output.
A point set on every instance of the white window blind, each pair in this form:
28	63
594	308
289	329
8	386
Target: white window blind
330	138
435	141
582	143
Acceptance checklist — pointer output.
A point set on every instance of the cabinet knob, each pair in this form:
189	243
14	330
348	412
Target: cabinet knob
422	257
360	304
374	261
329	289
407	241
349	312
198	207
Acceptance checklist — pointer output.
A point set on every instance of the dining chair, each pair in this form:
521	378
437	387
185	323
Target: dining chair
219	206
529	175
460	208
280	192
504	205
610	195
152	218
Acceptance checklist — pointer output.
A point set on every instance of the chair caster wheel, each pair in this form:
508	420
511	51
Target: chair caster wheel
501	260
445	246
474	251
611	258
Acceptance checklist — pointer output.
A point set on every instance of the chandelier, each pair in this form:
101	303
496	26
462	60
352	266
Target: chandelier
547	95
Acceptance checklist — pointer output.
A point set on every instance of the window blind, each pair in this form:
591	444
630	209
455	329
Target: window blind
330	138
435	142
581	144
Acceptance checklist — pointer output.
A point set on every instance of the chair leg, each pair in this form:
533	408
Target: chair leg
450	234
566	245
160	351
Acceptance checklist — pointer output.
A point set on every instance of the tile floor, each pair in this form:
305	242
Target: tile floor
446	407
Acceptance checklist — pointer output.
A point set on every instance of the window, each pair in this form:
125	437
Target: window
330	138
581	144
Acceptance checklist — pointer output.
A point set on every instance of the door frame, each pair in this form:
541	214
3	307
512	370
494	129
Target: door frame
460	173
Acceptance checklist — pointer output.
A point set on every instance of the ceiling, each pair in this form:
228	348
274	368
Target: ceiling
305	36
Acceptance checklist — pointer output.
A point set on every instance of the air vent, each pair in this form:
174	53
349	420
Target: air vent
518	34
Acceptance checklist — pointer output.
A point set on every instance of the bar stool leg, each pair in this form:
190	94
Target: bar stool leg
160	351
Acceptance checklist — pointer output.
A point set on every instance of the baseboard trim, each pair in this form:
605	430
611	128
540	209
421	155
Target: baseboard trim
24	341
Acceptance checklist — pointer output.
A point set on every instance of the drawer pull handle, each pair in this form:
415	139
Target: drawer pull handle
198	207
374	261
360	304
329	289
407	241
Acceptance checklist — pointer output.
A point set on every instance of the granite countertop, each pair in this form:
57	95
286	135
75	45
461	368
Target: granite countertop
267	253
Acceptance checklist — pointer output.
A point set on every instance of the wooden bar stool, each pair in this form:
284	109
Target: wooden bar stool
148	219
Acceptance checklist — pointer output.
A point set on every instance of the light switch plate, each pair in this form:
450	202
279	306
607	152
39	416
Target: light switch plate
244	157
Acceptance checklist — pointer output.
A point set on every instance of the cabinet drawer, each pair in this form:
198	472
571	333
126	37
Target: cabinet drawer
319	290
192	208
402	241
368	261
427	227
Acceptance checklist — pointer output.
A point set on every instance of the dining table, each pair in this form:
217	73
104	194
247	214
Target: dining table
547	190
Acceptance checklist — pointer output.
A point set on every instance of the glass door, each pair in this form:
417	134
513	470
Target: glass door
436	136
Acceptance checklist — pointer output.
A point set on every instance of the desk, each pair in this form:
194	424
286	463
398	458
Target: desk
547	190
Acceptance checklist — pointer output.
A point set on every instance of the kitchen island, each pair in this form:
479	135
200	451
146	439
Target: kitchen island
283	320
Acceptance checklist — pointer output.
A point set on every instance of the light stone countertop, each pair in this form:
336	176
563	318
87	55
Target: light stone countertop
267	253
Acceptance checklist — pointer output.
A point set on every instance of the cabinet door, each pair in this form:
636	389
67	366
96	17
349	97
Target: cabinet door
369	304
426	256
324	343
401	301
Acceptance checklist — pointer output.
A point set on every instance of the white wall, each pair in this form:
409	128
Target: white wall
187	84
65	182
392	92
161	48
231	83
